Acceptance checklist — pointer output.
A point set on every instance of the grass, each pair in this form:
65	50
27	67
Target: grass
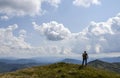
61	70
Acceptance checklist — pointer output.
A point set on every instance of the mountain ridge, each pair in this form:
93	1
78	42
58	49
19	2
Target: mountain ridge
61	70
115	67
8	65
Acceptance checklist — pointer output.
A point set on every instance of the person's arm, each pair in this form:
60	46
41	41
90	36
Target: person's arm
87	56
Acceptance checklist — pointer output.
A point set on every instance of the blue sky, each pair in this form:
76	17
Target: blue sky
76	18
74	15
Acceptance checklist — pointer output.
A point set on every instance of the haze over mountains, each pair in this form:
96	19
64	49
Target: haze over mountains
112	59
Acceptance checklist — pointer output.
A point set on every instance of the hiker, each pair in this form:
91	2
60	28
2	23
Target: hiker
85	57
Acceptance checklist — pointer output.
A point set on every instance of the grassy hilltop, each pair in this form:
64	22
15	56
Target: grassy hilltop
60	70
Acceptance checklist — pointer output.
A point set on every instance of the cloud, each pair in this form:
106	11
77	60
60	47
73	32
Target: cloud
101	36
4	17
97	38
53	30
8	40
20	8
54	3
16	46
86	3
22	34
24	7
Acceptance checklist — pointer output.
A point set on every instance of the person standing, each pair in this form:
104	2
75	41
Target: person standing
85	57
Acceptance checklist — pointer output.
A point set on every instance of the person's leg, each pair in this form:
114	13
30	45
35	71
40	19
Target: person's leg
85	61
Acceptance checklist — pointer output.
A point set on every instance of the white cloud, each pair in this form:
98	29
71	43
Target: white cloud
24	7
22	34
86	3
19	8
102	36
54	3
96	38
11	45
99	38
53	30
16	46
8	40
4	17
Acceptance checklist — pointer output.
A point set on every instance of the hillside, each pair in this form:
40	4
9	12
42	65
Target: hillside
73	61
106	66
60	70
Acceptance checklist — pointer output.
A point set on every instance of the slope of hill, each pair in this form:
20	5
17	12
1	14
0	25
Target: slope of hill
60	70
104	65
73	61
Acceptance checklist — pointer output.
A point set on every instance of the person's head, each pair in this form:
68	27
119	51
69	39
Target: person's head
84	51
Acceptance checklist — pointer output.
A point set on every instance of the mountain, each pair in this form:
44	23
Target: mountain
104	65
18	61
4	67
8	65
31	60
73	61
60	70
23	61
47	59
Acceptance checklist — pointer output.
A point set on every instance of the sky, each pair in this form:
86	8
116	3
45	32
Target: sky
35	28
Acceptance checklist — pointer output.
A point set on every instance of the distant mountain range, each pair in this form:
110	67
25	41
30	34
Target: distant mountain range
61	70
8	65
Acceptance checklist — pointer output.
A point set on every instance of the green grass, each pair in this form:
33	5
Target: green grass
61	70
